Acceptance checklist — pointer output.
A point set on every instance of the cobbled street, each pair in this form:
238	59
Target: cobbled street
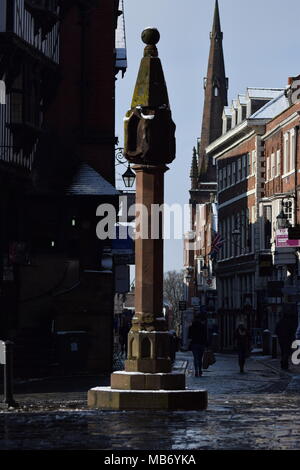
257	410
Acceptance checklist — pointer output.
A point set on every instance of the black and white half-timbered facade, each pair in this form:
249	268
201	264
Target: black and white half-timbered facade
29	55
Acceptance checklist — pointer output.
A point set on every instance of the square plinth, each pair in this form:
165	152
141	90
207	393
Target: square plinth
123	380
110	399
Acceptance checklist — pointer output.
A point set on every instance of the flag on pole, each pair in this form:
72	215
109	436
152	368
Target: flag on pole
216	245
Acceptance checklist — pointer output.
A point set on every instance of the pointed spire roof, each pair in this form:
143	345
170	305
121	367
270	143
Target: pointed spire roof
217	23
216	85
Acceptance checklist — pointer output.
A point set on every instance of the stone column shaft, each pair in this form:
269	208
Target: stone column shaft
149	251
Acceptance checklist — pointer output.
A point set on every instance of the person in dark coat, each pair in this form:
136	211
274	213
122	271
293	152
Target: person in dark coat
123	337
198	337
243	341
286	332
173	345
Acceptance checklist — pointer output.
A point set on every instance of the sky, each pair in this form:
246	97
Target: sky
261	49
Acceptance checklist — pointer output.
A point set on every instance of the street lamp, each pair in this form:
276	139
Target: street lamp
205	271
188	274
236	235
128	177
282	220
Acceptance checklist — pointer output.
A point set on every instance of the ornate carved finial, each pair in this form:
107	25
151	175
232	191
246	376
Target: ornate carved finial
150	36
149	129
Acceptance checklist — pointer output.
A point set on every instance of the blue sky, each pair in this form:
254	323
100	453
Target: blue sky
261	49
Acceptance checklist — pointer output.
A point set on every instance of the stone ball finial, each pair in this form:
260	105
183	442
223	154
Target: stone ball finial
150	36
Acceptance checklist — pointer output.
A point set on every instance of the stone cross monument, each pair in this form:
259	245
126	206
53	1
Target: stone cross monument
150	144
148	381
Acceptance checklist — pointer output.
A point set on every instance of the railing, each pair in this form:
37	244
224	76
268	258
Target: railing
7	152
20	21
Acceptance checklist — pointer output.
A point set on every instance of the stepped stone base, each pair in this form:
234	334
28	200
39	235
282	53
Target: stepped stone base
137	381
110	399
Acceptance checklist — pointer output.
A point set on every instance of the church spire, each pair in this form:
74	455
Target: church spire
217	23
215	85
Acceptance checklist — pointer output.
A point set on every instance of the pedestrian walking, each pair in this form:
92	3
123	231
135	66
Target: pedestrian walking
123	337
243	341
286	332
198	337
173	345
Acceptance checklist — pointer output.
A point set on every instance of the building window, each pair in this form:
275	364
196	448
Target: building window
278	164
25	98
243	166
225	238
233	172
232	238
248	164
253	162
229	175
220	179
238	227
224	177
286	159
216	91
239	174
243	230
273	166
268	169
229	237
292	149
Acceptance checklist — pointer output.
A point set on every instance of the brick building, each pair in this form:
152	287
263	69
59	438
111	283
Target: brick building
239	155
279	208
257	161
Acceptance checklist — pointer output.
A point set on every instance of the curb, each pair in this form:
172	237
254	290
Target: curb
276	369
